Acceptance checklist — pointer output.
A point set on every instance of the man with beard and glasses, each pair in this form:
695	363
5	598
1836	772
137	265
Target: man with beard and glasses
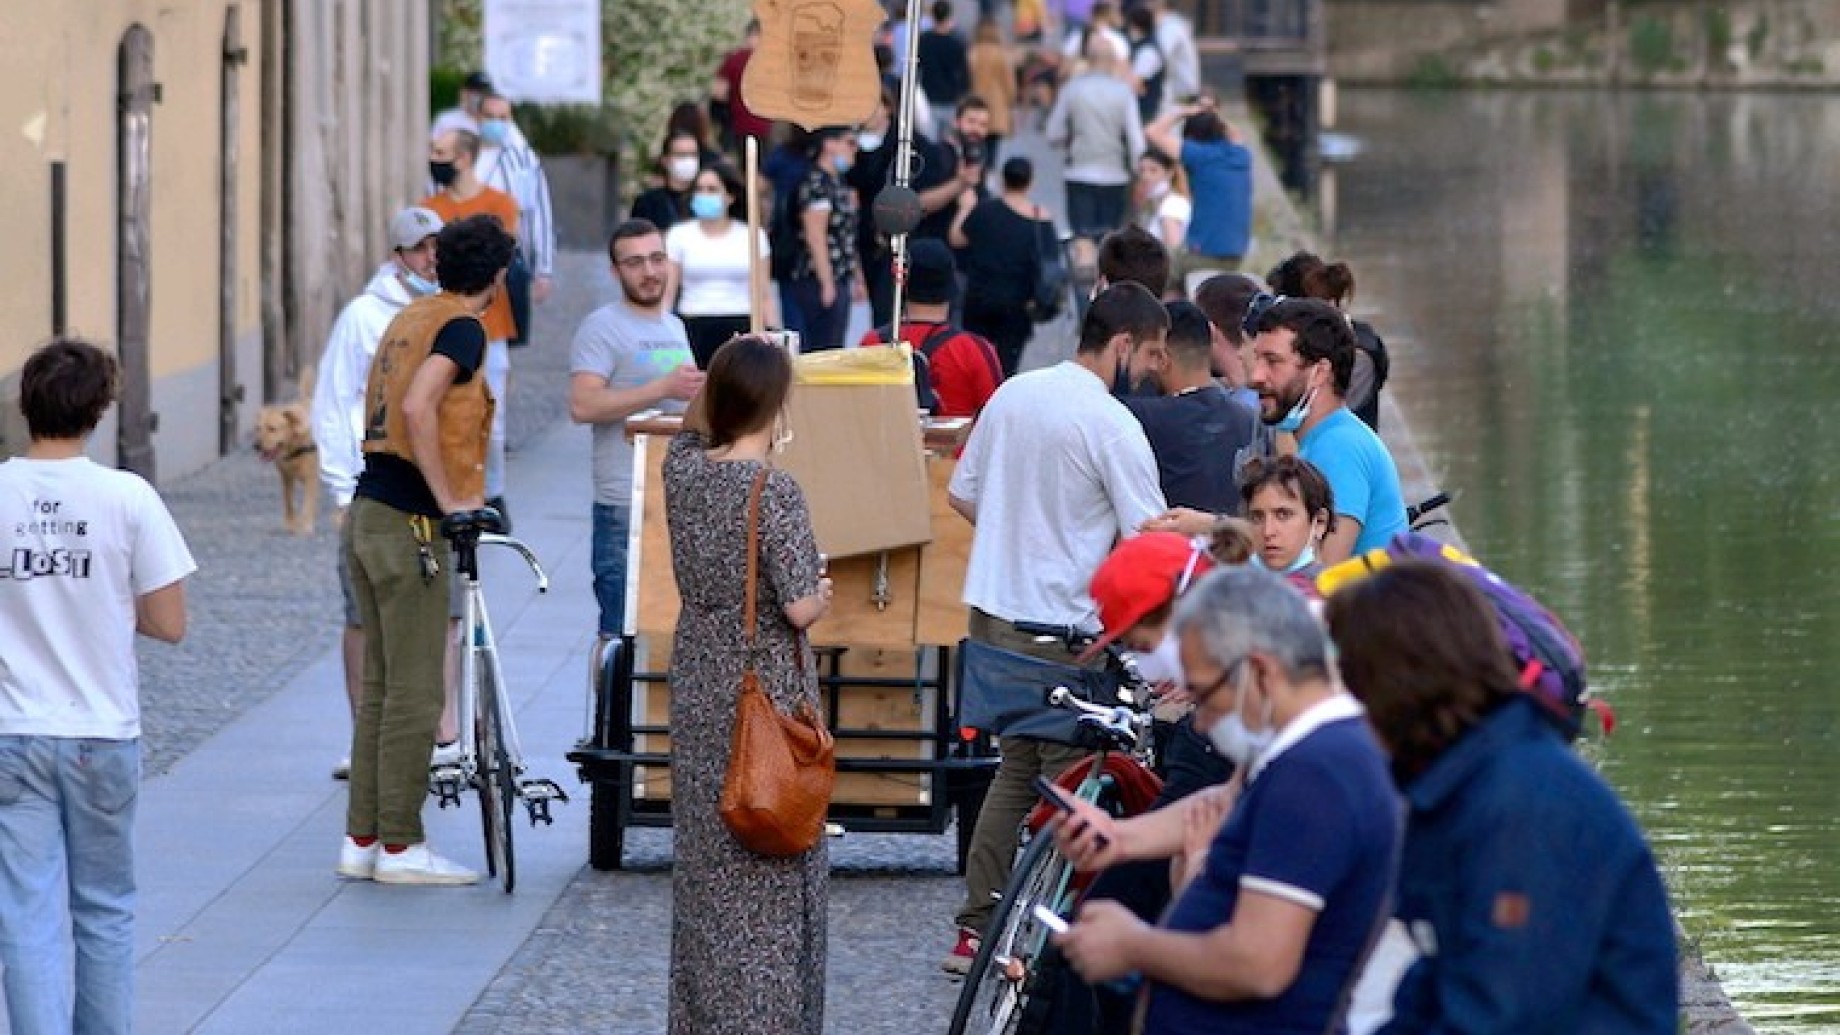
1056	472
1302	360
628	355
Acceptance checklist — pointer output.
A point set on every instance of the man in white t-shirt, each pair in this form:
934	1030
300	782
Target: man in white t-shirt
89	556
1054	474
628	356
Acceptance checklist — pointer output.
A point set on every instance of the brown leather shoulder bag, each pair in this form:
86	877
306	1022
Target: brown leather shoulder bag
781	768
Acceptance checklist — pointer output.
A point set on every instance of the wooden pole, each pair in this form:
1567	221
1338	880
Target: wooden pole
757	274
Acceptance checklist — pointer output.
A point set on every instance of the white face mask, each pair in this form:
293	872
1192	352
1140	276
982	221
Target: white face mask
1164	664
1233	739
1157	188
682	169
868	141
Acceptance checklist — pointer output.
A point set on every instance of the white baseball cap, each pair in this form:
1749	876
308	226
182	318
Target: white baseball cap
412	225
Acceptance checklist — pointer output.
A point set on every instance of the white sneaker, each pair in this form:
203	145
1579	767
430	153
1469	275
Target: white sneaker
418	864
342	771
445	754
355	862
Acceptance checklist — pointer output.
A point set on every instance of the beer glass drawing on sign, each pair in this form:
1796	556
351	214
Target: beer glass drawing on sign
817	50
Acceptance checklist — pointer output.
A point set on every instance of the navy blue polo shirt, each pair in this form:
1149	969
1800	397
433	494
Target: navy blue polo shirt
1319	825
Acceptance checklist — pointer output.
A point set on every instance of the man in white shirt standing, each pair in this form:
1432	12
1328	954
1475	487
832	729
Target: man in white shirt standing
508	163
1054	474
338	399
89	556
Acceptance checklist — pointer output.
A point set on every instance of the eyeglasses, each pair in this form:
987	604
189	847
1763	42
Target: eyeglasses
1198	694
1255	312
636	262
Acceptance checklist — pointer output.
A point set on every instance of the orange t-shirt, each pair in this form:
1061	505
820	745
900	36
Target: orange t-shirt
488	202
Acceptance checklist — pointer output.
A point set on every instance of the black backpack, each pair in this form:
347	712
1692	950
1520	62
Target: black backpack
1368	341
784	236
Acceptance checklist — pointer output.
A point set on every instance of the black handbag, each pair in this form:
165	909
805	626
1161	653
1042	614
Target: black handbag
1049	295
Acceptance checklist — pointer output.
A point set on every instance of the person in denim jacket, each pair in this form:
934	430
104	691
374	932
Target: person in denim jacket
1527	888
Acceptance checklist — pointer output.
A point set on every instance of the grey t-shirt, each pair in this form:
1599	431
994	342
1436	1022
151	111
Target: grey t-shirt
629	349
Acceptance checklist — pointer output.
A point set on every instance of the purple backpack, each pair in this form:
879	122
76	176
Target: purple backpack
1546	654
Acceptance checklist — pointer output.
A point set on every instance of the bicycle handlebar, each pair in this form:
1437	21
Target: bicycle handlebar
1119	722
517	546
1431	503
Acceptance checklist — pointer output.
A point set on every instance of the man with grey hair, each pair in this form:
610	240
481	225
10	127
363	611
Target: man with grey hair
1283	898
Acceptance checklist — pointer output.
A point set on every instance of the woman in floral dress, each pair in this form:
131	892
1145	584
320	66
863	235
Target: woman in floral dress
748	932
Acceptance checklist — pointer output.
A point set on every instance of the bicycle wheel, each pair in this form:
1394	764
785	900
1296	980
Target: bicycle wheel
497	783
1002	977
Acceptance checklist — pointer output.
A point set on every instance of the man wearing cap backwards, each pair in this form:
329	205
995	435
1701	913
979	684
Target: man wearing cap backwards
338	396
1056	471
962	367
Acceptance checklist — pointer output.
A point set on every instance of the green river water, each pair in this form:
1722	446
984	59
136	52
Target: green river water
1615	321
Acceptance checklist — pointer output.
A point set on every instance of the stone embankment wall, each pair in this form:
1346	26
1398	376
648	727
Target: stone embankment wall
1697	44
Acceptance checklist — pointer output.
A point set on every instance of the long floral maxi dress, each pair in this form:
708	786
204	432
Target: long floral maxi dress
747	932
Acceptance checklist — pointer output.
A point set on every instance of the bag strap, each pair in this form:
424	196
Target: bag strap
753	562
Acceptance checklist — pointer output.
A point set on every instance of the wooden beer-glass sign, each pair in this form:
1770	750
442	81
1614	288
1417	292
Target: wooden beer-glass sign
815	65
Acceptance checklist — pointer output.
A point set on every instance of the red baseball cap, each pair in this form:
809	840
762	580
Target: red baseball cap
1142	574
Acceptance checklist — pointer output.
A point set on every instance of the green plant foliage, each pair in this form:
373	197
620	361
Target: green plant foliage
655	54
1544	60
444	87
1651	44
1718	34
1434	72
1758	36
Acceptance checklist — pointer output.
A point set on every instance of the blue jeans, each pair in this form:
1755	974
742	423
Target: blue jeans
607	556
824	325
67	875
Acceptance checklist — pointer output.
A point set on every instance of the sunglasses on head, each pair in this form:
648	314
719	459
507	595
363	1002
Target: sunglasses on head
1255	312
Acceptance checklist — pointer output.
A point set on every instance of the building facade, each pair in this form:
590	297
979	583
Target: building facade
199	186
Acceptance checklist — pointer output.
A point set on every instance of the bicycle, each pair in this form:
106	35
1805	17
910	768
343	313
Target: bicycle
492	759
1000	988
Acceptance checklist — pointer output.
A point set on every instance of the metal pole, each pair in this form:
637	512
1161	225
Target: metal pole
904	155
58	306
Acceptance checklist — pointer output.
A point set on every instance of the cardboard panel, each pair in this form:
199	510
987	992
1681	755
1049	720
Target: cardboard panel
856	451
658	600
855	619
941	620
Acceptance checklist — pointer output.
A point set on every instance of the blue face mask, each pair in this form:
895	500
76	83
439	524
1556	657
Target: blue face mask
843	162
494	131
418	285
1294	419
707	206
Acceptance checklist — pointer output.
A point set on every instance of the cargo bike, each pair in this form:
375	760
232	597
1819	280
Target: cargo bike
886	653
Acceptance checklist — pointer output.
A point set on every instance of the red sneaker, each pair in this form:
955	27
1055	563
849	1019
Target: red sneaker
958	961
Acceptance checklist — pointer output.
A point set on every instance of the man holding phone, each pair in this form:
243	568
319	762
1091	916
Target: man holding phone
1288	895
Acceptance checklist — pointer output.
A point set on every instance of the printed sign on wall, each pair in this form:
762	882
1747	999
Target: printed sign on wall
545	51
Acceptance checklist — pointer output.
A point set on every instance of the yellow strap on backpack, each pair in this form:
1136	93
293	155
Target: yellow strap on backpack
1362	565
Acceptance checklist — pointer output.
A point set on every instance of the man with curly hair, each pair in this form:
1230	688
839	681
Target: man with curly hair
428	420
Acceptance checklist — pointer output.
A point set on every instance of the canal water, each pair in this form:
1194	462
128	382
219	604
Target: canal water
1615	319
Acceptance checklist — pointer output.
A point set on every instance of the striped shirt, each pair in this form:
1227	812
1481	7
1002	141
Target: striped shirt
516	170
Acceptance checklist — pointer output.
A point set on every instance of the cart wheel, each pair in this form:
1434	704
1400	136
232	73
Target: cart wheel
606	827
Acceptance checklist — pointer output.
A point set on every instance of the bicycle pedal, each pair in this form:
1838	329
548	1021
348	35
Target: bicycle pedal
537	795
446	788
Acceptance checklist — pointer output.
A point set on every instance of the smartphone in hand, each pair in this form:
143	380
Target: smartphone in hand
1050	919
1052	793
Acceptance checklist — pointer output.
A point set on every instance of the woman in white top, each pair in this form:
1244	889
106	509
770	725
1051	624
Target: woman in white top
709	262
1163	207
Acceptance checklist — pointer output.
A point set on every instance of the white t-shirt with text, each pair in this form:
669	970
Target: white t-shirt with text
80	543
1058	471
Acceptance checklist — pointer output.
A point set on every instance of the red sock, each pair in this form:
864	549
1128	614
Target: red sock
364	842
395	849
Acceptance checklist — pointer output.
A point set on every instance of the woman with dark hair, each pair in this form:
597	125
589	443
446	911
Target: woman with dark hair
688	119
748	931
709	262
667	203
1525	882
825	271
1306	275
1288	501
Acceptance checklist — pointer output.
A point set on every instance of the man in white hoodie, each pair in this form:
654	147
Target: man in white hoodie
338	398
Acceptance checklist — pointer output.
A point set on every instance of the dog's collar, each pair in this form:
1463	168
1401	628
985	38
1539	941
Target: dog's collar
299	451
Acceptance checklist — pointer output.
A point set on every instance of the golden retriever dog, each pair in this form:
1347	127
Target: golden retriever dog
284	437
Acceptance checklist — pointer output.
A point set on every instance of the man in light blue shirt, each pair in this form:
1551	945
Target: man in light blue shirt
1302	360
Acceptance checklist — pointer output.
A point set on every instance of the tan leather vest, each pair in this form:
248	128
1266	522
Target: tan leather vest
465	413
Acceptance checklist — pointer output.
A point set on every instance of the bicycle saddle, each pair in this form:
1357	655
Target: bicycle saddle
469	524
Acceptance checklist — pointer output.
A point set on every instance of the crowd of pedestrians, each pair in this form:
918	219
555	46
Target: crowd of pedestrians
1382	766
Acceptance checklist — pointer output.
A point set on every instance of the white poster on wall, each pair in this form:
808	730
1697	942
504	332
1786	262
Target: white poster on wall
545	51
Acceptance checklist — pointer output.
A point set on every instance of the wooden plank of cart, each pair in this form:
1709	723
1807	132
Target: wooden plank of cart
886	660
